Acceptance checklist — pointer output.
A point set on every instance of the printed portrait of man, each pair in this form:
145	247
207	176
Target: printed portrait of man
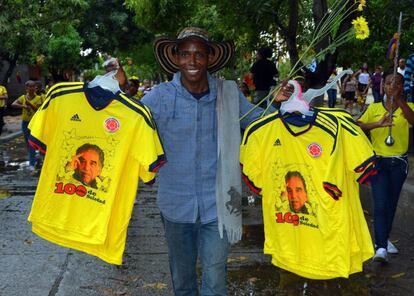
87	164
296	192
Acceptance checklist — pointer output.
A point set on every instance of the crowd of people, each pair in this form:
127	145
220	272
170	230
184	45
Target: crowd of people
350	92
355	87
197	221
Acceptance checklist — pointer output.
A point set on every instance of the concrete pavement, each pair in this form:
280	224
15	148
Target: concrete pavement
11	129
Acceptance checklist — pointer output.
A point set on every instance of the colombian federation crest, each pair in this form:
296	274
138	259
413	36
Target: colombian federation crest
315	150
111	124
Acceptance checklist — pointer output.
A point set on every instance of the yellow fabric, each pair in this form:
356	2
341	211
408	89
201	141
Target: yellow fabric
329	238
361	100
138	96
3	91
399	130
36	101
43	96
91	218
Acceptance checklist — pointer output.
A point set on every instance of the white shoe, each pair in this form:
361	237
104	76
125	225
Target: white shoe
380	256
391	248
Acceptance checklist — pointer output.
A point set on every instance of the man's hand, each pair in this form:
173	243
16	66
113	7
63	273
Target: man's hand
29	106
284	92
121	76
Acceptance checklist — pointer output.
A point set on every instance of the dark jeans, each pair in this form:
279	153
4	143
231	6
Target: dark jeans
332	93
386	188
377	96
411	97
188	241
32	151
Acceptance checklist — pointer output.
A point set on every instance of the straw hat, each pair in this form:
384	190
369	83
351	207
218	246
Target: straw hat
165	48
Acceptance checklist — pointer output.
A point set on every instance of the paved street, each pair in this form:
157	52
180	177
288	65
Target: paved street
32	266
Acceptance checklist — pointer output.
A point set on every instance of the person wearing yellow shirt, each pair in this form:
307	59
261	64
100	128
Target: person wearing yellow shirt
29	103
133	89
39	90
49	84
392	164
3	103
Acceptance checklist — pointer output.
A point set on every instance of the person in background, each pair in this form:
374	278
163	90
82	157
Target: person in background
333	91
392	162
401	66
409	78
348	88
39	90
3	104
29	103
133	88
376	84
49	84
146	87
363	86
248	79
244	88
263	73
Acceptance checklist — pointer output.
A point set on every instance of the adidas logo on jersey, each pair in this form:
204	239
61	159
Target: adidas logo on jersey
277	143
75	118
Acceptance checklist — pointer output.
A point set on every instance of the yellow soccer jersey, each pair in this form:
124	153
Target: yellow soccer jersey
33	104
97	147
306	171
400	130
3	91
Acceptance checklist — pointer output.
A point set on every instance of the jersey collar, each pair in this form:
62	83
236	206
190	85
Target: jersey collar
298	120
98	97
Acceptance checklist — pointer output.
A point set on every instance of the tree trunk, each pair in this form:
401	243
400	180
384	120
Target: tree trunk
12	64
325	67
292	32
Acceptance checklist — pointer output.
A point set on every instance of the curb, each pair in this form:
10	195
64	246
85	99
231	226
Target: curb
10	136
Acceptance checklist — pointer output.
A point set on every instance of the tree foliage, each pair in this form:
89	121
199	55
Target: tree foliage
60	29
113	31
382	16
63	49
164	16
284	25
26	26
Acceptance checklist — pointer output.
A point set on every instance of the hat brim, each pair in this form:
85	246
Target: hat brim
221	54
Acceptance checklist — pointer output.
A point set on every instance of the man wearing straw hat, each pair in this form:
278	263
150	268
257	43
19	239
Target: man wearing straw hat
199	193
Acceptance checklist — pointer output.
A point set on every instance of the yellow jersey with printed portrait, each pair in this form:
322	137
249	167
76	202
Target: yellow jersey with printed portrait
306	169
97	146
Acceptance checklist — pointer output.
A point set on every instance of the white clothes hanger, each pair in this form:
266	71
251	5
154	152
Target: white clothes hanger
299	102
107	81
